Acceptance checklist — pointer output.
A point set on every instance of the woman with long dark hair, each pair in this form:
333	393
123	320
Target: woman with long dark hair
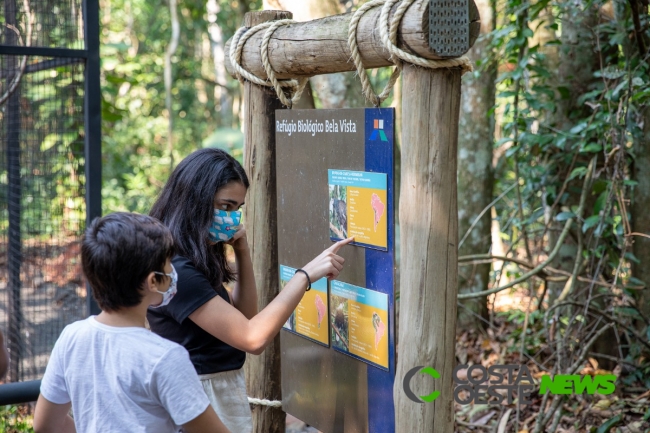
201	206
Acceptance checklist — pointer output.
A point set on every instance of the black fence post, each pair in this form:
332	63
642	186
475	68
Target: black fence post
14	250
93	124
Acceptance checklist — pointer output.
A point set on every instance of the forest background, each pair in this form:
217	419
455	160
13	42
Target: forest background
554	174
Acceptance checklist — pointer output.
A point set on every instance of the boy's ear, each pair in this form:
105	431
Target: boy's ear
150	283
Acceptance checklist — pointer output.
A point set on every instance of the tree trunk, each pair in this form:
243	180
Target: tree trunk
342	90
640	214
218	56
475	173
641	193
263	371
429	243
577	62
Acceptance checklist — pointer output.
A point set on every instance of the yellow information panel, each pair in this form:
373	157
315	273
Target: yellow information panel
358	207
309	319
359	319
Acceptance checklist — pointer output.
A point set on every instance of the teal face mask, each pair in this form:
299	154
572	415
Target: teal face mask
224	225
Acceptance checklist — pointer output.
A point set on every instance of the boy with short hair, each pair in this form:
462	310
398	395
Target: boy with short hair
116	375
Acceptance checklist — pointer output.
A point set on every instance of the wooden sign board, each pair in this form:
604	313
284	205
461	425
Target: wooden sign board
334	172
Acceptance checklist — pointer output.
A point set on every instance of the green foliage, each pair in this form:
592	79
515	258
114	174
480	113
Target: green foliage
573	86
13	419
535	336
609	424
136	159
205	111
51	163
553	124
135	36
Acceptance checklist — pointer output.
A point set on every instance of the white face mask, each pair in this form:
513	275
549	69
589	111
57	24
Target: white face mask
169	294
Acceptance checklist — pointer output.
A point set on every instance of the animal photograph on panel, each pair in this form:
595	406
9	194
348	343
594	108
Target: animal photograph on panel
338	211
339	319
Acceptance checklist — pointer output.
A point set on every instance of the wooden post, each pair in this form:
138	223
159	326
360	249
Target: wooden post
429	246
263	371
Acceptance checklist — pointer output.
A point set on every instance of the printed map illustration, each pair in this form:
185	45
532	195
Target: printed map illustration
378	207
321	309
380	328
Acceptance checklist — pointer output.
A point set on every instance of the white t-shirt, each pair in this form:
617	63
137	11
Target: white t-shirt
122	379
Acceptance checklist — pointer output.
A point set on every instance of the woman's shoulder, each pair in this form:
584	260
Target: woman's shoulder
194	290
191	277
183	264
187	271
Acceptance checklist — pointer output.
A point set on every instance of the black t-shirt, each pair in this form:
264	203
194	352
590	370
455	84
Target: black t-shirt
208	354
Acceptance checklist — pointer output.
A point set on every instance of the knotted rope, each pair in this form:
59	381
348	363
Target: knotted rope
236	47
389	39
302	82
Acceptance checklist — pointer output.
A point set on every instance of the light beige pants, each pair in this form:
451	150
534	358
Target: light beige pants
227	394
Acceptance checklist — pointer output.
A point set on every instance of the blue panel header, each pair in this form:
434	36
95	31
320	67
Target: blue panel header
286	273
360	295
361	179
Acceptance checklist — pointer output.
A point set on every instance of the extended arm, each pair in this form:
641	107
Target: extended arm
228	324
52	418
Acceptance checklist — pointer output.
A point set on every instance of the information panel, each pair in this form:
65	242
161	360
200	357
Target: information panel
357	203
335	179
359	320
309	319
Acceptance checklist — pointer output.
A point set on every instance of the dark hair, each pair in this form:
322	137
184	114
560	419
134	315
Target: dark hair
186	206
118	251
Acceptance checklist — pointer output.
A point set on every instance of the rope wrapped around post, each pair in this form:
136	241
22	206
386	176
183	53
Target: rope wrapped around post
240	38
388	33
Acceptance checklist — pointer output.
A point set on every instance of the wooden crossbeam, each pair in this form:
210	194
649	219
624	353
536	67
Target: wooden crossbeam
320	46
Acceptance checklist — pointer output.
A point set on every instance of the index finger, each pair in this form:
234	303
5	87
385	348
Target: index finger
337	246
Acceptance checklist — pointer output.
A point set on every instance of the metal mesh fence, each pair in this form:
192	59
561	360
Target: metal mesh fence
55	23
42	207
